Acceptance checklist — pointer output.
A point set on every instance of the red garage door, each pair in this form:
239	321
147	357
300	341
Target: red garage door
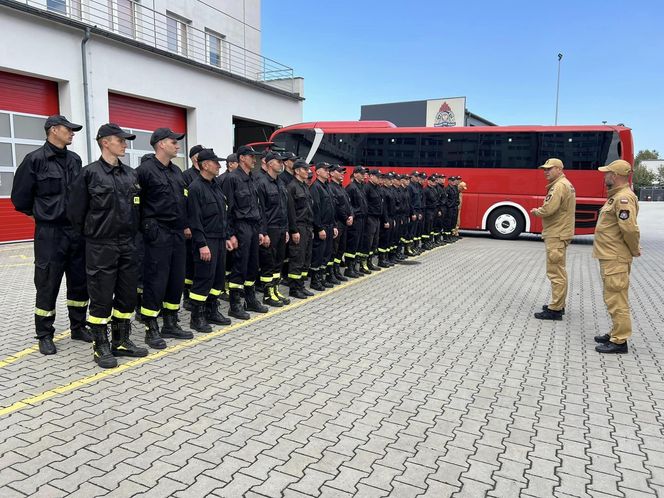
142	117
24	104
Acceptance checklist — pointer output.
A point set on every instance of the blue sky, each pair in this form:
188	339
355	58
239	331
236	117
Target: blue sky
502	55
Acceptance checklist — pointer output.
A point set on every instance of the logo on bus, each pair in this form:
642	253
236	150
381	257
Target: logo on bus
444	116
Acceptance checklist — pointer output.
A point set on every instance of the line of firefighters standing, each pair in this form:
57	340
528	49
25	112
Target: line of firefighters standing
137	240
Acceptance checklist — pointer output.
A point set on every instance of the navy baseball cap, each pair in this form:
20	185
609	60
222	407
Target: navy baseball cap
208	155
110	129
195	150
59	119
163	133
300	163
247	150
273	155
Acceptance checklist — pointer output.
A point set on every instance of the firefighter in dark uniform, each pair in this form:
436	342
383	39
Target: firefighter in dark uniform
246	227
372	227
404	215
231	165
104	205
343	212
324	229
386	221
40	191
273	197
288	174
358	203
430	211
301	205
164	222
286	177
206	210
415	193
440	209
189	176
449	217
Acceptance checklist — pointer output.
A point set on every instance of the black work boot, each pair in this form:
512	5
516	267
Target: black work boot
331	277
279	295
371	265
101	348
546	307
602	339
152	336
350	269
81	334
303	287
612	348
337	273
198	321
171	327
296	289
121	344
250	301
212	313
316	281
382	261
323	277
364	266
549	315
46	345
270	298
236	310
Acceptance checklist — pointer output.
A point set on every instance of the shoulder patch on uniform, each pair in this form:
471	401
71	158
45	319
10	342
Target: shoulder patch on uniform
547	197
624	201
624	214
610	201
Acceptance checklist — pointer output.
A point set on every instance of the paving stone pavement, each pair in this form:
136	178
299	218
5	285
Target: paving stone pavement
428	379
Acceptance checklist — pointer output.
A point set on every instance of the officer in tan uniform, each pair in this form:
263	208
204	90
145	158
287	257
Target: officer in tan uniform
462	187
557	215
616	243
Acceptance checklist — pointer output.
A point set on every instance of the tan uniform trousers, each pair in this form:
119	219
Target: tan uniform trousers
556	255
615	280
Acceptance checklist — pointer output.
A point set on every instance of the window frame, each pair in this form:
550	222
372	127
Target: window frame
181	34
13	141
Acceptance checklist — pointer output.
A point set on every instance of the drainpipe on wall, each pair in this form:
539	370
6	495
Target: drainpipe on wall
86	96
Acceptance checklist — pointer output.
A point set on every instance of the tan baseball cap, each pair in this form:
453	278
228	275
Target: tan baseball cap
619	167
552	163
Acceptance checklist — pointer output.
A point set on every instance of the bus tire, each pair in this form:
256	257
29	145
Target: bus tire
506	223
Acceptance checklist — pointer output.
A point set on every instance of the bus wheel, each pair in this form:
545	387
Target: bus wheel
506	223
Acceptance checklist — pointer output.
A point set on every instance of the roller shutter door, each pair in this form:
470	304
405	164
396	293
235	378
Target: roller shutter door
24	104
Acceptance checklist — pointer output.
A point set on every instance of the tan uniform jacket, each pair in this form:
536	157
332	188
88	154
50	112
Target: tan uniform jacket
617	233
558	209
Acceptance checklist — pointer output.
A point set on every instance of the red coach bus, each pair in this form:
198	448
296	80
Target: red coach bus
498	163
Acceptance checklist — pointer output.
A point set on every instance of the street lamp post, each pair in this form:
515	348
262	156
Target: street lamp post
560	58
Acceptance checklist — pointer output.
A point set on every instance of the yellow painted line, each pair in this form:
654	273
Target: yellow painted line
16	264
72	386
32	349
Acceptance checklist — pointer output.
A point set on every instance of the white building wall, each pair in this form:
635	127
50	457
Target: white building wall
53	51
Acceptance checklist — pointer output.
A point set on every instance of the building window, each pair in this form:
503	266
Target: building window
176	34
140	147
59	6
216	48
124	17
20	134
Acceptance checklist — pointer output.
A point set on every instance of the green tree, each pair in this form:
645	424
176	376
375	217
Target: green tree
643	177
660	175
645	155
